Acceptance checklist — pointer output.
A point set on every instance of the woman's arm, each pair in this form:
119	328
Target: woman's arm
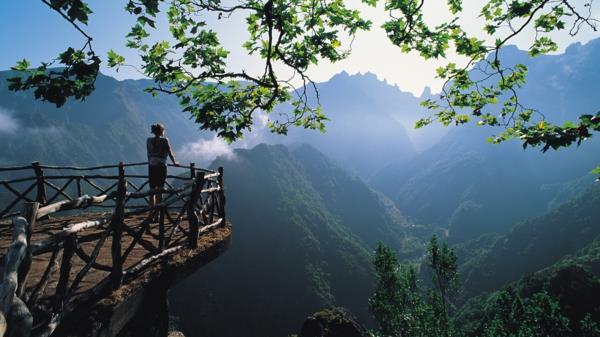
171	154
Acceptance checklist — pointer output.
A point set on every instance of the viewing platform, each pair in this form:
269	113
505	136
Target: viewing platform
92	258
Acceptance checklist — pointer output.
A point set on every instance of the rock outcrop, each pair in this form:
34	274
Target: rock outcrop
334	322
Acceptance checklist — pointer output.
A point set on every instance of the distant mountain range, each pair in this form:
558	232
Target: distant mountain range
471	187
363	134
118	114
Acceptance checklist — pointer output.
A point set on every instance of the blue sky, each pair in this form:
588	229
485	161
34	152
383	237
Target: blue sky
31	30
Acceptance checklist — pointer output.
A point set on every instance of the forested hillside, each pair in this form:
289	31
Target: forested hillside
533	245
299	245
567	292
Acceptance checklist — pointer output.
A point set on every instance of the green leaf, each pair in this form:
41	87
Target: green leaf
115	59
22	65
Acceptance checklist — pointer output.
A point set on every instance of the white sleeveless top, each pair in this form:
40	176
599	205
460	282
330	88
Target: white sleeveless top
158	150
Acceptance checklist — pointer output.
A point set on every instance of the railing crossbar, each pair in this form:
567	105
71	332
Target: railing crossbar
15	168
92	259
138	235
12	204
59	191
15	192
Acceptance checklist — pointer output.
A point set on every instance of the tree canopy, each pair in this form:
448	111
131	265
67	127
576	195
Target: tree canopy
485	90
295	35
192	64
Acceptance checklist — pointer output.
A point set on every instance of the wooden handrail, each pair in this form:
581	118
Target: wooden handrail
41	187
191	209
15	168
91	168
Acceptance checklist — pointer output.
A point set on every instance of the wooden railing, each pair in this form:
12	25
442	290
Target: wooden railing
194	203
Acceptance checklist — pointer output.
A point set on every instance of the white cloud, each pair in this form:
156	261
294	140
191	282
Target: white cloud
48	131
204	151
7	123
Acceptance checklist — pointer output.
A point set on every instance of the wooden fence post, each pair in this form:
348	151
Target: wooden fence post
191	210
30	210
21	325
161	228
41	188
30	214
78	187
221	196
65	269
117	233
192	170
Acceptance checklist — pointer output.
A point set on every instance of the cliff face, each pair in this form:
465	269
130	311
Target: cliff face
140	307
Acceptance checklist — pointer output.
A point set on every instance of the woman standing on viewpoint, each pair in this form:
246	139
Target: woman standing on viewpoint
158	149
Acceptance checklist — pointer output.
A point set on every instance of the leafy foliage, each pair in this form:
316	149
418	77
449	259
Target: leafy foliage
400	304
297	34
560	300
538	315
549	303
473	91
395	303
442	261
72	74
193	64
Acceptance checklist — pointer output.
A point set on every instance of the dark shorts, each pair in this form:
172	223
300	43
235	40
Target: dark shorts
157	174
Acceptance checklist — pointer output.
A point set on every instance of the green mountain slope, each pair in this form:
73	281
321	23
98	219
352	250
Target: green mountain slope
534	244
109	126
572	283
295	248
